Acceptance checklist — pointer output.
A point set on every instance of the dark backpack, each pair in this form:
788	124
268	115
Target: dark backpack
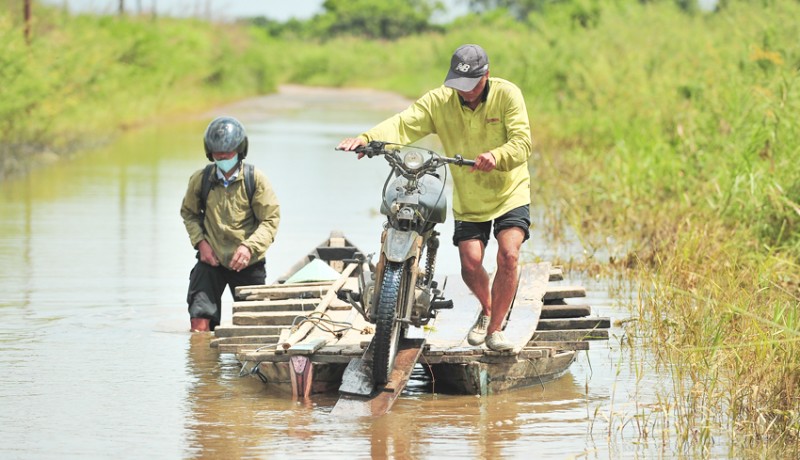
249	184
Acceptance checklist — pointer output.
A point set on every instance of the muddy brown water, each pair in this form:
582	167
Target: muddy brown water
96	360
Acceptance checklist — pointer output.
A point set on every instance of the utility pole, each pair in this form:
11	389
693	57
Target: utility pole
27	13
121	7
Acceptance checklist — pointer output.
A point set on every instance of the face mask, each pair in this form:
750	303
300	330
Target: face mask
227	165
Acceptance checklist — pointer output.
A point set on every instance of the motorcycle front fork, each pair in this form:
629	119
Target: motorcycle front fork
421	295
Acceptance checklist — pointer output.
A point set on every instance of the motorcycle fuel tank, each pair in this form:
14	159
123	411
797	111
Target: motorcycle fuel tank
430	195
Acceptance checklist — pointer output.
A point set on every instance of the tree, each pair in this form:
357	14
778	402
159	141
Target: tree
387	19
520	9
26	11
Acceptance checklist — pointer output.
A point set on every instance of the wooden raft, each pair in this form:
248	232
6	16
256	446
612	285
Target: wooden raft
268	342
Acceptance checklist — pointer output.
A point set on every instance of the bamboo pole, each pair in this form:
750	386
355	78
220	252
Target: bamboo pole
303	330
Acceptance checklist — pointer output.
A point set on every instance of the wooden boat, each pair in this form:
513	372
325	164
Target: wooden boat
301	337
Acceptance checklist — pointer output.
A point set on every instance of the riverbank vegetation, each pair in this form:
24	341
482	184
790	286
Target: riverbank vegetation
83	78
671	129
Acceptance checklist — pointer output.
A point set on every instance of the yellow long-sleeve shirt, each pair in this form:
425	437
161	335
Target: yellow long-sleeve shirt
499	125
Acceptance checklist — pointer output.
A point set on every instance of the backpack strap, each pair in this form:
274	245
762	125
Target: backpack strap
249	184
250	181
205	186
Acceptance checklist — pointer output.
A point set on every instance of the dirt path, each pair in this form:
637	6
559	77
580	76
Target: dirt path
298	98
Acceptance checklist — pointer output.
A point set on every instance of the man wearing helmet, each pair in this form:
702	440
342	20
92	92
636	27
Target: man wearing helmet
231	215
483	119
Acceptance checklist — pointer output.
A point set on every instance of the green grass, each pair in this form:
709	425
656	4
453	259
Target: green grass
83	78
678	134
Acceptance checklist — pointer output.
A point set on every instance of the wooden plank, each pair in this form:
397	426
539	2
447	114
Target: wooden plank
524	315
536	352
334	324
275	305
307	347
279	292
304	328
286	332
556	274
451	327
450	330
454	359
236	348
279	286
290	285
565	311
357	378
382	400
338	304
555	302
564	292
237	331
496	357
572	335
553	324
246	339
271	318
575	346
408	352
324	354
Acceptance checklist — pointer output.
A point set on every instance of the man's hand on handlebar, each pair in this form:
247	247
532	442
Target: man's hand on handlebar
352	143
484	162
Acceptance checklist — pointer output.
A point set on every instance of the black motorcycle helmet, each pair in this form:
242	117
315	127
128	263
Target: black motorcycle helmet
225	134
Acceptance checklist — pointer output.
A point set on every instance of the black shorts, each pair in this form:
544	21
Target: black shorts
211	281
517	217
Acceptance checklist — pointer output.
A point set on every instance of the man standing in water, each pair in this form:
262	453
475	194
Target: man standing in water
484	119
231	214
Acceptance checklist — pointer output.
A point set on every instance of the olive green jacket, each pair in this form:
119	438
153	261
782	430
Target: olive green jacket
499	125
229	219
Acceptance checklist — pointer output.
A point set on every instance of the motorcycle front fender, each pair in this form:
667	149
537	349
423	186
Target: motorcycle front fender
400	245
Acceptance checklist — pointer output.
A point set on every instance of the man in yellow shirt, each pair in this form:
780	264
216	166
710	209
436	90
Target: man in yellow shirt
484	119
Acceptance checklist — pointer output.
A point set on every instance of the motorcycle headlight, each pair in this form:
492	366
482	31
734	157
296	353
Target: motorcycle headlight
413	160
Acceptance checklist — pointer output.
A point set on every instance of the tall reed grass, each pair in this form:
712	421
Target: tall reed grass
678	134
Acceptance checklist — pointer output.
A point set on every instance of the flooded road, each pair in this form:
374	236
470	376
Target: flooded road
95	355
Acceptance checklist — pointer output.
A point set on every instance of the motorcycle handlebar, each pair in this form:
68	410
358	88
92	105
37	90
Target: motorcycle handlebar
460	161
366	150
377	148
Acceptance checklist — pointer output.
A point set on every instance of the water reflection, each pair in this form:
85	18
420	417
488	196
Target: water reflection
219	426
94	353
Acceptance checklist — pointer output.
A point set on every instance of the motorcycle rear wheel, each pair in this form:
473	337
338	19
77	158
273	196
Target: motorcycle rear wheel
387	331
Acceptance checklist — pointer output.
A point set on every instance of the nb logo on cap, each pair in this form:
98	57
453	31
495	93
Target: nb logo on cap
463	67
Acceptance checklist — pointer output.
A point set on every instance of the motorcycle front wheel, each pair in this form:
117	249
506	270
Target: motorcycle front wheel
387	330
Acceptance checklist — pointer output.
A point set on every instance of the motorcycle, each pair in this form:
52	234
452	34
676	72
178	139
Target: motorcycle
397	292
